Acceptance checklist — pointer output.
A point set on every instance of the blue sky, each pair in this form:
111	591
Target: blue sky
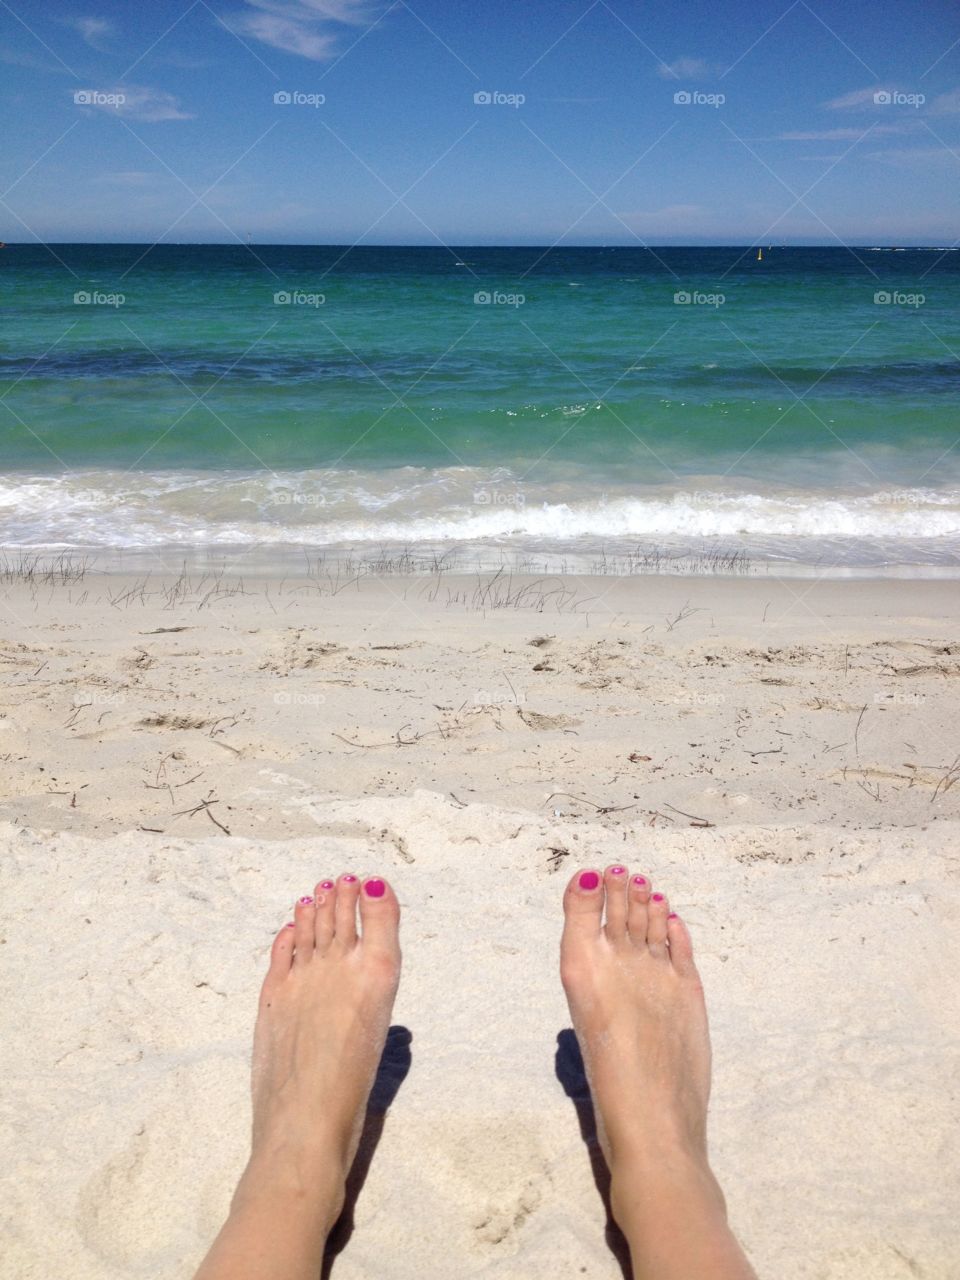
819	123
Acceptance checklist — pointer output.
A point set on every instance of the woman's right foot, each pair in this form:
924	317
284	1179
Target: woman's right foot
637	1006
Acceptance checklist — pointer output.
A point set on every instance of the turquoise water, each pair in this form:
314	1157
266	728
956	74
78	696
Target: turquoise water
783	409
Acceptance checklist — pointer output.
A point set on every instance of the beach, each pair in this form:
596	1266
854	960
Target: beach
445	456
185	754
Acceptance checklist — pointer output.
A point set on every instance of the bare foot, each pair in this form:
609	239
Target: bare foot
324	1014
638	1011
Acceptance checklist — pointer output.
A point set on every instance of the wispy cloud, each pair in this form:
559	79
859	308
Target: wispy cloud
908	157
306	28
135	102
857	98
130	178
676	216
847	134
947	104
15	58
688	69
96	31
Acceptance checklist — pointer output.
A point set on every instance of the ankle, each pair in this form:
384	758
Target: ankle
644	1141
296	1180
654	1181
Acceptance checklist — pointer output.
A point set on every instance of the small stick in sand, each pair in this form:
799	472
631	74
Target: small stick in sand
694	820
856	732
600	808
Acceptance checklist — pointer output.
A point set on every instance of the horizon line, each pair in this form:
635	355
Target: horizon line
439	248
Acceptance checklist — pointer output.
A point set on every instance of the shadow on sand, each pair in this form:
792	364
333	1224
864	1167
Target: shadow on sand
573	1077
393	1069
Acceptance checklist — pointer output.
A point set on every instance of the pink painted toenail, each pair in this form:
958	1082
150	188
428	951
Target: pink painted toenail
305	902
349	879
657	897
327	884
375	888
589	880
639	879
617	871
673	916
289	925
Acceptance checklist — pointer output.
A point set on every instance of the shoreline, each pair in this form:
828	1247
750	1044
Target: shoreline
624	559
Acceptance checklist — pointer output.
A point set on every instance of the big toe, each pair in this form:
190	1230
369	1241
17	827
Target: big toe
681	947
379	915
281	959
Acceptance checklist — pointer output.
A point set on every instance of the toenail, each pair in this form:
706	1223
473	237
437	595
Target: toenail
289	925
305	901
375	888
589	880
327	884
657	897
617	871
673	916
349	879
639	879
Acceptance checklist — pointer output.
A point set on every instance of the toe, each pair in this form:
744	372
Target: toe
325	896
345	911
657	911
582	912
303	930
637	898
681	948
379	915
281	955
615	881
583	906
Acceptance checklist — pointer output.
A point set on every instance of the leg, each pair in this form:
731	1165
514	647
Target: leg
638	1011
323	1019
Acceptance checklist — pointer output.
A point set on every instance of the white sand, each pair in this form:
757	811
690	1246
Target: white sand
824	906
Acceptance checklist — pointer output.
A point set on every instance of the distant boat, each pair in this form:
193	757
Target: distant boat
759	255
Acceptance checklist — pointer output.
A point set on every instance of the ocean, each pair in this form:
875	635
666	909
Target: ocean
559	407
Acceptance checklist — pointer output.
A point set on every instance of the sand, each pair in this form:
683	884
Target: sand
179	762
